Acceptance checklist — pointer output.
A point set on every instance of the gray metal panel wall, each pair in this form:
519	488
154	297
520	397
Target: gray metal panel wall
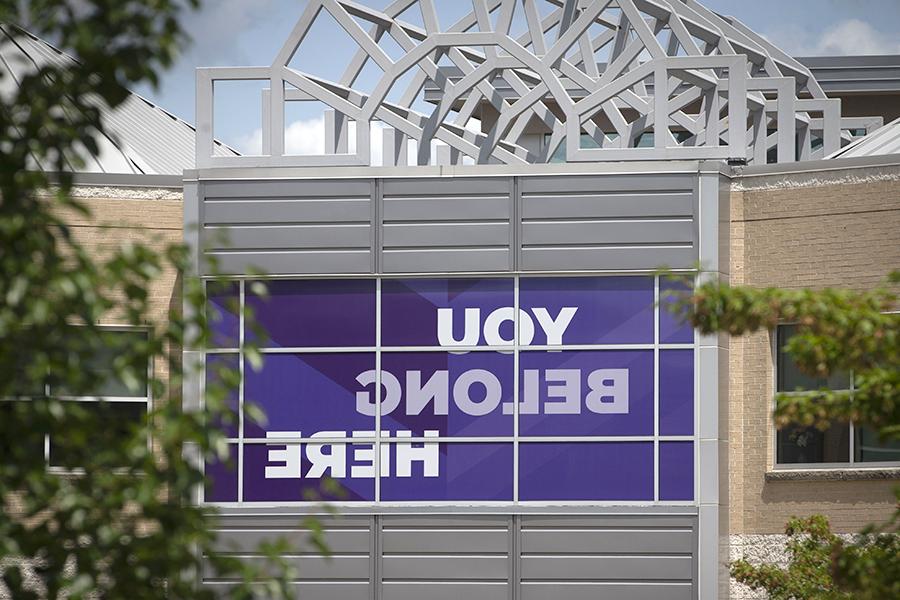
608	222
289	226
451	225
481	557
446	225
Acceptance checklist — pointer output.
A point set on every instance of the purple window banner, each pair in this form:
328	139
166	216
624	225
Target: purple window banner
447	312
600	471
448	471
598	310
315	313
590	392
232	399
468	394
673	326
676	471
223	313
311	393
221	478
296	472
676	392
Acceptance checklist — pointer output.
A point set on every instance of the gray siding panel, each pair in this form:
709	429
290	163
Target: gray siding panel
318	590
446	591
607	183
446	567
453	540
565	258
261	210
601	591
424	208
279	237
295	262
606	206
609	232
577	541
446	234
419	261
606	567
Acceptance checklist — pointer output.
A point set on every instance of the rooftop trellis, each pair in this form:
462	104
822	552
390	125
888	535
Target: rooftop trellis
587	79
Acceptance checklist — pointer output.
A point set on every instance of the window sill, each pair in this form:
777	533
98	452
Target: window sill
863	474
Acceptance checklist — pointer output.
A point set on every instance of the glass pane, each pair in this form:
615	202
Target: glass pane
594	392
215	362
222	312
586	471
676	471
99	362
311	393
797	445
17	431
469	394
462	471
298	472
447	312
673	327
316	313
588	310
868	448
791	378
112	426
222	480
676	392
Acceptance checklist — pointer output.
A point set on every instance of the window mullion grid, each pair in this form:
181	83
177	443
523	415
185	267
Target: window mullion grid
516	281
656	389
377	392
241	339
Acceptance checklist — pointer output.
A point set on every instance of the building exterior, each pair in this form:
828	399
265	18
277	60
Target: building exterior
465	333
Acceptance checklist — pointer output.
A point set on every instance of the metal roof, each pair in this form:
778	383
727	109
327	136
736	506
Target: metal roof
885	140
142	137
869	74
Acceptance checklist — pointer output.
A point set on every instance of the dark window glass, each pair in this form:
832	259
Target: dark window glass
791	378
867	447
15	435
100	363
114	423
798	445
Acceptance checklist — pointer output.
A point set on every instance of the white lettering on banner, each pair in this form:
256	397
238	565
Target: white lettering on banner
330	458
608	383
607	392
288	454
554	328
428	455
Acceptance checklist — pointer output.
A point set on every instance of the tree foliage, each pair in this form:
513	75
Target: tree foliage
838	331
121	523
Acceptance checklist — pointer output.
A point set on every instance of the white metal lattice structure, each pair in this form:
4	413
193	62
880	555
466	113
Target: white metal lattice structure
584	79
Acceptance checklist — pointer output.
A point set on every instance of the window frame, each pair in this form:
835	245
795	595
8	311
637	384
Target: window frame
147	398
851	464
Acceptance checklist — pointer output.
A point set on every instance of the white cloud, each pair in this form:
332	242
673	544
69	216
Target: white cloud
852	36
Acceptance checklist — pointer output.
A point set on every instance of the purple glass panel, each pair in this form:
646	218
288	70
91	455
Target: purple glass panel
676	392
586	471
467	394
608	310
221	478
597	392
316	313
676	471
215	362
222	311
409	310
296	472
464	471
673	326
309	393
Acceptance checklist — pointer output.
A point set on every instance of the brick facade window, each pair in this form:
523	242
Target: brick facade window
842	444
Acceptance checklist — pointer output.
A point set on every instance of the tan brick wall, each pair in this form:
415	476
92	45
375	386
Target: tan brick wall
822	234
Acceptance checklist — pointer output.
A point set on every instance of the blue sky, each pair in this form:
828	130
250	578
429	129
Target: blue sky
250	32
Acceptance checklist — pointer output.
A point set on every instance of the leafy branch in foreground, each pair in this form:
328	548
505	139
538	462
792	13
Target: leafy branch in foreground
114	517
838	331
